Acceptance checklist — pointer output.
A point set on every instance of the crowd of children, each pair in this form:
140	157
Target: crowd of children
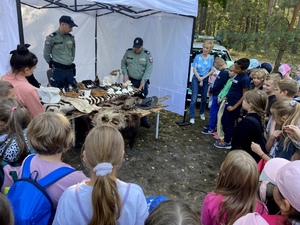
257	112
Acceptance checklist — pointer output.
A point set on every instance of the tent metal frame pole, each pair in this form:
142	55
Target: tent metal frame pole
184	122
96	47
20	23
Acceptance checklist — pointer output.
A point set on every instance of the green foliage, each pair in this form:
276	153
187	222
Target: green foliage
251	25
222	3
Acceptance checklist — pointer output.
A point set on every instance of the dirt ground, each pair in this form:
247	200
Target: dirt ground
182	164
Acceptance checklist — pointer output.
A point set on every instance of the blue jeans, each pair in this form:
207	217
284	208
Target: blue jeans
195	91
213	113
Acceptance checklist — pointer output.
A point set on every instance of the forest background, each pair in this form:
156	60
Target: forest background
268	30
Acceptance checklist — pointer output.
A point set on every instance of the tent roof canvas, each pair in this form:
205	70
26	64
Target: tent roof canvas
127	7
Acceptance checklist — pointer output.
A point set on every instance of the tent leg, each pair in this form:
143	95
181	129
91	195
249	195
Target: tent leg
20	23
183	122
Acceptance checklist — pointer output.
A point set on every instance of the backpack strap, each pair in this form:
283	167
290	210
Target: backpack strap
14	175
54	176
26	167
50	178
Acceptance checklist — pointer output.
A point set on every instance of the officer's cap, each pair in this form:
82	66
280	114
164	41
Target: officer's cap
68	20
138	42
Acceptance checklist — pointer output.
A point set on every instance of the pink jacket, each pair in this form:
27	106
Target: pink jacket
26	93
210	208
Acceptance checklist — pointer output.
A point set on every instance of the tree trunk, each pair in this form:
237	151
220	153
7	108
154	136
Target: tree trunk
296	39
199	19
204	18
271	5
284	39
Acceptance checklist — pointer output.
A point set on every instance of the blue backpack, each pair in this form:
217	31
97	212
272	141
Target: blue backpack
29	199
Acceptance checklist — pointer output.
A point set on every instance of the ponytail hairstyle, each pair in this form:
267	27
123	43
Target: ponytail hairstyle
14	118
290	109
238	183
258	100
104	145
22	58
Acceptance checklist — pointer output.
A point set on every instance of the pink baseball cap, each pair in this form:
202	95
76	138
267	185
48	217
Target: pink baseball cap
284	69
268	175
251	218
271	169
288	183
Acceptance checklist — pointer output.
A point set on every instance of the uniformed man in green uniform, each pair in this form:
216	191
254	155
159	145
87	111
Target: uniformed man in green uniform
59	53
136	65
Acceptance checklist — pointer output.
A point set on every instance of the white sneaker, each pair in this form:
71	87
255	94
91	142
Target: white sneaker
202	116
192	121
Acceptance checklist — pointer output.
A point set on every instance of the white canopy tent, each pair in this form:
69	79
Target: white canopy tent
106	28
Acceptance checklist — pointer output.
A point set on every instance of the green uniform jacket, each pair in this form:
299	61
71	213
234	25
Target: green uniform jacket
137	66
59	48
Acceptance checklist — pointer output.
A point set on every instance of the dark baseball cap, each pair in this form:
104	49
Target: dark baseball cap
266	66
138	42
68	20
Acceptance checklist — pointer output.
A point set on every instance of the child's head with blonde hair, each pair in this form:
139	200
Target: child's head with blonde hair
259	73
238	183
258	76
270	83
232	72
220	63
50	133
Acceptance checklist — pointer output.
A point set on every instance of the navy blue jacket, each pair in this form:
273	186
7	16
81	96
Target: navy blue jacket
220	82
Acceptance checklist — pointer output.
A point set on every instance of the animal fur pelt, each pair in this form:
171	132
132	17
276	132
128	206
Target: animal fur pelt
132	127
126	102
128	124
131	103
119	100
